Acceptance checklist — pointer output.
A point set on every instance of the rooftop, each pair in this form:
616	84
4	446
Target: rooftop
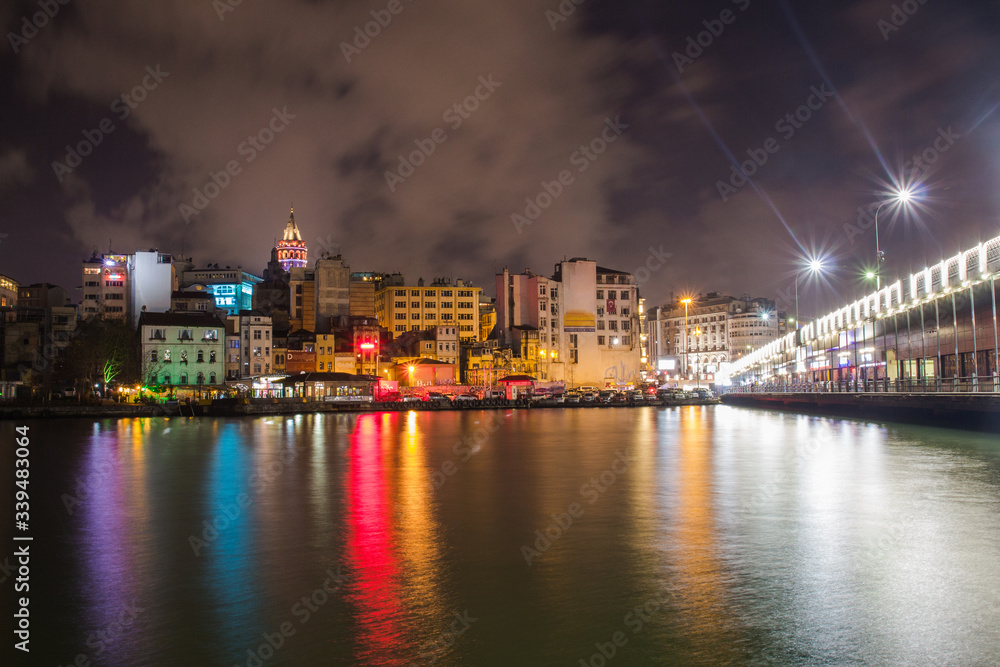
190	319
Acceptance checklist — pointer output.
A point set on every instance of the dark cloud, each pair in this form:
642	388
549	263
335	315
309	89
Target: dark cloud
657	184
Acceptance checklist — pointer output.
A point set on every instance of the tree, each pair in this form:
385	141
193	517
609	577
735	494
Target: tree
103	351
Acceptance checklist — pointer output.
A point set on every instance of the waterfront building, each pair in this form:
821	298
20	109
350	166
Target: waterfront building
300	352
124	285
935	329
344	361
182	353
752	325
401	308
583	322
424	372
232	349
33	335
446	346
291	249
326	353
23	343
330	387
278	352
255	343
366	336
150	279
720	329
644	368
105	286
483	363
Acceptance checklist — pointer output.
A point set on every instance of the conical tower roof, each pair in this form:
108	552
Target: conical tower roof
291	229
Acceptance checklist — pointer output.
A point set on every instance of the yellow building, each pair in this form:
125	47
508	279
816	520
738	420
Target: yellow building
278	360
325	353
487	318
484	364
401	308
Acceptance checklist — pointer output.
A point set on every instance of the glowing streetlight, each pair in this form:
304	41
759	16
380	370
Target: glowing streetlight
813	267
901	196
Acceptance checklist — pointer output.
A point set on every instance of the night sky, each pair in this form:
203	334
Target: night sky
673	95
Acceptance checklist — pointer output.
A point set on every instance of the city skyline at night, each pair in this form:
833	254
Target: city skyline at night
595	132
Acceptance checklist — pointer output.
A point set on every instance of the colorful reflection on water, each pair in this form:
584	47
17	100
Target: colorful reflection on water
760	537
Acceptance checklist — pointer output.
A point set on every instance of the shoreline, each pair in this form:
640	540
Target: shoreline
963	411
257	407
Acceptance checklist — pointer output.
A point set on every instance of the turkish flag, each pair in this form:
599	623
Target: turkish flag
611	307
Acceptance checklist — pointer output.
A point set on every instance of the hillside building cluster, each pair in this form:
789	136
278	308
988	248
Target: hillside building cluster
210	330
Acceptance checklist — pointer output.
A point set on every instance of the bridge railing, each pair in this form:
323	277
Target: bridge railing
987	384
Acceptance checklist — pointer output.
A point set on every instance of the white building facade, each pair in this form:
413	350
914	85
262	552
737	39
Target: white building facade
150	283
718	330
587	318
255	353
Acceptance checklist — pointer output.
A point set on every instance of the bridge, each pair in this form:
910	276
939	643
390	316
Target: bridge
932	332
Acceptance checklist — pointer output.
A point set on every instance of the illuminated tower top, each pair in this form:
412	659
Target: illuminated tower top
292	251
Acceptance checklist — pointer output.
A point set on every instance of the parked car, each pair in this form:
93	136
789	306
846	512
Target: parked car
559	398
606	396
466	398
672	393
588	397
701	392
437	397
572	397
412	399
619	397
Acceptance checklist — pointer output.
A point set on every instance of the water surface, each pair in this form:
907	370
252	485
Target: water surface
693	535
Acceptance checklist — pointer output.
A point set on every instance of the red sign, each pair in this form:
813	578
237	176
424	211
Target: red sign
611	307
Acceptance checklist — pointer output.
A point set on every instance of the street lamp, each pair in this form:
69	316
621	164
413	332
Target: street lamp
898	197
815	266
686	303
